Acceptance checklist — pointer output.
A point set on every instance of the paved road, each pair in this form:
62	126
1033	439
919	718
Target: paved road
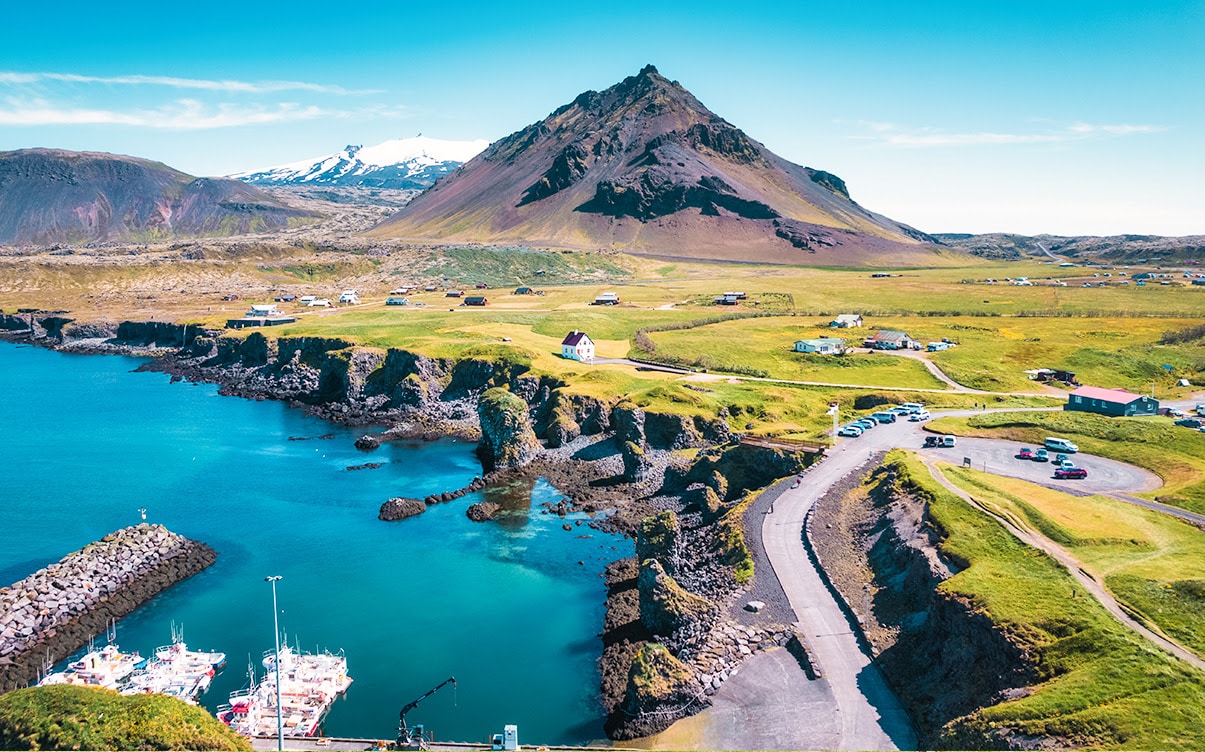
869	713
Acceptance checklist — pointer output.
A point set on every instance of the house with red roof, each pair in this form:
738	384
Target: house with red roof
577	346
1114	402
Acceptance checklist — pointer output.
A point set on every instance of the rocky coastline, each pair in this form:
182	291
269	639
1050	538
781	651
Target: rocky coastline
610	458
56	610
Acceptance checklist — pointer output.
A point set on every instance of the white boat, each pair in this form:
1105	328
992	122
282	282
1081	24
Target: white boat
309	685
107	667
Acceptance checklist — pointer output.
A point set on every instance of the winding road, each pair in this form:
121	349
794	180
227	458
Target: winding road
850	706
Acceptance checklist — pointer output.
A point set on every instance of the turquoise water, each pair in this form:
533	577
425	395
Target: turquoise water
504	607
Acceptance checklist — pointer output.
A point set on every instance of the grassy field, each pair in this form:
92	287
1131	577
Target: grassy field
1175	454
1151	562
1100	685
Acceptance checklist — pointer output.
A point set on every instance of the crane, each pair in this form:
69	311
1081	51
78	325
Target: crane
412	738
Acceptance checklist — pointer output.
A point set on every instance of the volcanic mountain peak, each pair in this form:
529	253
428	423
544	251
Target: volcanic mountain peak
643	166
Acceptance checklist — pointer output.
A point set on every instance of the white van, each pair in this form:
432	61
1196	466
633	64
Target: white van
912	407
1061	445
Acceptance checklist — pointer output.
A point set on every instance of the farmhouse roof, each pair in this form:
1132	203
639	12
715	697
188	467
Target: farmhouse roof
574	338
1118	396
889	335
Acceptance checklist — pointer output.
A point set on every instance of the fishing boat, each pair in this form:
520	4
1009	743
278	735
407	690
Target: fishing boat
177	671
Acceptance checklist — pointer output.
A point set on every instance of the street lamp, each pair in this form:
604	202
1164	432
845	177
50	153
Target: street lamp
280	740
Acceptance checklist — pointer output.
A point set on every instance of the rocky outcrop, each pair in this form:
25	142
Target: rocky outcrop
661	689
660	537
367	443
665	606
507	438
399	508
482	511
57	609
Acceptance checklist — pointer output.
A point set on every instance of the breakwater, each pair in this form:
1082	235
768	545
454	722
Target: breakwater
57	609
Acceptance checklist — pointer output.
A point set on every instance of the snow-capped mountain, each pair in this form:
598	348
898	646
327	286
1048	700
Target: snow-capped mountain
404	163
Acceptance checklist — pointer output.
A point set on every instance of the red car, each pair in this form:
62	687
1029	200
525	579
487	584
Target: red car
1025	454
1070	472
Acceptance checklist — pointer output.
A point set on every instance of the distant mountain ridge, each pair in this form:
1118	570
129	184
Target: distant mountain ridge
55	196
645	168
1138	249
402	164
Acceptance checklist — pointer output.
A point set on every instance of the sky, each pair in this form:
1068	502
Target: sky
1061	116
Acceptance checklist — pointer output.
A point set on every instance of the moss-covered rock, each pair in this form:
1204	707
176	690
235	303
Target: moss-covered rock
562	428
507	438
659	537
635	462
73	717
665	606
661	689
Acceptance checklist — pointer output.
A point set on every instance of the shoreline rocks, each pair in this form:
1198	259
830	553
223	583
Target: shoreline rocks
56	610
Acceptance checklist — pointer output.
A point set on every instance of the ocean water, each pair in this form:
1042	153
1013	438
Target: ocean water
512	609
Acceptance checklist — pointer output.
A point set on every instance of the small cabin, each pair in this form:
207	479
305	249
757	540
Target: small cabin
524	291
267	309
727	298
350	296
607	298
888	339
821	346
475	300
453	294
577	346
846	321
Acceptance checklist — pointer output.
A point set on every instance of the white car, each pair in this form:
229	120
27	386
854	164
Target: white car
851	430
923	415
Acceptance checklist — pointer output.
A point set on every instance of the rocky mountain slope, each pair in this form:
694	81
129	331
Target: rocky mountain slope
644	167
1121	249
400	164
55	196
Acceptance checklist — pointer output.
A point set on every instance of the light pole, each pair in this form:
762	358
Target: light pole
280	736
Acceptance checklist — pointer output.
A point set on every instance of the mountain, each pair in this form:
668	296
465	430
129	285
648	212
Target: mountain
644	167
1121	249
404	163
55	196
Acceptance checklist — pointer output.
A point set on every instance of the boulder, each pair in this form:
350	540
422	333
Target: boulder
482	511
367	443
665	606
399	508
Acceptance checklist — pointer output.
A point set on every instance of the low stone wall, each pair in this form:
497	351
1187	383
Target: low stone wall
56	610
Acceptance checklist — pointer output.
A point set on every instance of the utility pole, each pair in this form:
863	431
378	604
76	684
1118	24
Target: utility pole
866	607
280	734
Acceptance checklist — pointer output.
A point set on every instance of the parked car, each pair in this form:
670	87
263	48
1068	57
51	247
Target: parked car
1065	472
864	424
932	441
948	441
1061	445
1189	422
923	415
850	430
870	418
1041	456
884	417
1025	454
1200	409
913	407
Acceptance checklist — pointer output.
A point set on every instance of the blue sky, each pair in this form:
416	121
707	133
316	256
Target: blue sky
1029	117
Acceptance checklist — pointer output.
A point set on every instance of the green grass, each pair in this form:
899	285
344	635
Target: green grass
1150	561
1175	454
72	717
1099	685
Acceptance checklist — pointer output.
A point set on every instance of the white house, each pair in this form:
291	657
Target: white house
577	346
607	298
350	296
821	346
846	321
268	309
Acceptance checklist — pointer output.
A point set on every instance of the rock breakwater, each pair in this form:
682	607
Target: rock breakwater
56	610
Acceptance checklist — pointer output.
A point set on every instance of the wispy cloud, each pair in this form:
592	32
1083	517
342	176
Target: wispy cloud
183	114
891	135
13	78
